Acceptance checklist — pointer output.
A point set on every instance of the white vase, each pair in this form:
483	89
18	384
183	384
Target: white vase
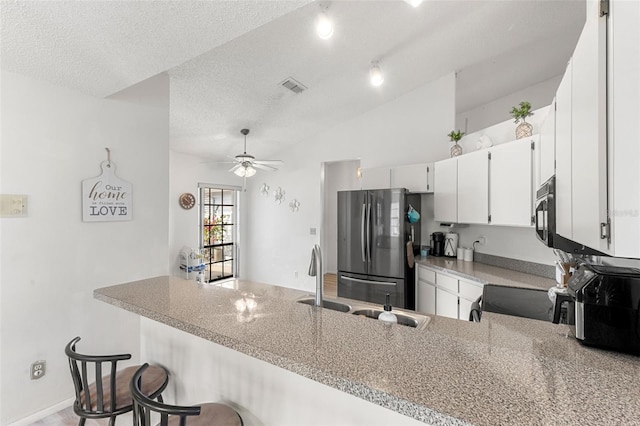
524	130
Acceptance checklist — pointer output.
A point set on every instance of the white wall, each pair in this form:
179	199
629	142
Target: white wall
410	129
186	171
51	139
338	176
496	111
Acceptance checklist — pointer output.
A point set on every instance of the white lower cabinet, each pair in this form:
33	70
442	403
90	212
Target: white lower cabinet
464	308
426	297
446	304
445	294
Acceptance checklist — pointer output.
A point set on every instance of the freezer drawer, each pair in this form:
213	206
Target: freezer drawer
372	289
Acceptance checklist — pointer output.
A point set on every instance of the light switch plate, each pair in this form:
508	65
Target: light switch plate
13	205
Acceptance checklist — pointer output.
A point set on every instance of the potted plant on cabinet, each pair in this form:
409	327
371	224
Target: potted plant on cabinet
455	137
521	113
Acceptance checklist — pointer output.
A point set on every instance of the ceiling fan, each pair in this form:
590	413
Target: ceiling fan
246	164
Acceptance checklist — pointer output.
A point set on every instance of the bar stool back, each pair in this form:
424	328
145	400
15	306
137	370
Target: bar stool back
207	414
108	396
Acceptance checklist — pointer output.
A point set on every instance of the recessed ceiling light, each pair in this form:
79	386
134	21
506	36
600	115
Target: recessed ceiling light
375	74
324	26
414	3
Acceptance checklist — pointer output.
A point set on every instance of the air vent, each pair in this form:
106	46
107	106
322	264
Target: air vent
293	85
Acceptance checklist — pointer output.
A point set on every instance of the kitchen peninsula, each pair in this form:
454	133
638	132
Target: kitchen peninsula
504	370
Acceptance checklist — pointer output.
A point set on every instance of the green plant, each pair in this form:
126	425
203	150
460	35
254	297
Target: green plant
455	136
521	113
213	227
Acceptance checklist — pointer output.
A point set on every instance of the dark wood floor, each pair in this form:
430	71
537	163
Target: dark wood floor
330	285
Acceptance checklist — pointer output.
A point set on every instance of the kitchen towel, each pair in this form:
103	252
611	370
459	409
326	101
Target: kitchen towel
410	259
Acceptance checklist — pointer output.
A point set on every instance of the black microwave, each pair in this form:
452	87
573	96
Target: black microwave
545	222
545	214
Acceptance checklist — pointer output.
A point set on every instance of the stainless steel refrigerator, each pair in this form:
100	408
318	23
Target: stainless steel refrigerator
373	231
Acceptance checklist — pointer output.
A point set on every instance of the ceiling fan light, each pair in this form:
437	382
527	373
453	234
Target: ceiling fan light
375	75
245	171
249	171
324	26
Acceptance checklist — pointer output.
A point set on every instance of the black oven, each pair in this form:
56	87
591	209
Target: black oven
516	301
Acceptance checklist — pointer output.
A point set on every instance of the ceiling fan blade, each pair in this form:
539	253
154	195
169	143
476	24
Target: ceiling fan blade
269	162
264	167
234	168
218	162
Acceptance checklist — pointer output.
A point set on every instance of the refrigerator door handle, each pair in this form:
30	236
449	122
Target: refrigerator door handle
368	281
362	232
369	232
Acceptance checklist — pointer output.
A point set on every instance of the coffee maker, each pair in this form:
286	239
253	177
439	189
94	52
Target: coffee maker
603	306
437	244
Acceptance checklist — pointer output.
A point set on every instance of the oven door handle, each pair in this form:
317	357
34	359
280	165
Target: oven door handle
541	232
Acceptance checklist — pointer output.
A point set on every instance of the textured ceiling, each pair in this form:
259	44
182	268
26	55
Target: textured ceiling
102	47
226	59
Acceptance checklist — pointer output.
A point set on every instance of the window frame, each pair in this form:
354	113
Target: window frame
235	233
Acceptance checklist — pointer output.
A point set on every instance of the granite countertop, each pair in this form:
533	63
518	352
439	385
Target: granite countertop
486	274
503	370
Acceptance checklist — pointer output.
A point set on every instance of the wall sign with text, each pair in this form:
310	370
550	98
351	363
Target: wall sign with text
106	198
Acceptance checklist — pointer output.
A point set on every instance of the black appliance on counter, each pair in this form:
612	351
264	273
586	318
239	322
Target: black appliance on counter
437	244
375	242
516	301
545	222
606	302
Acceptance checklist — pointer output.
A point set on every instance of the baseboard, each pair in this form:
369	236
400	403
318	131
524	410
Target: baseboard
44	413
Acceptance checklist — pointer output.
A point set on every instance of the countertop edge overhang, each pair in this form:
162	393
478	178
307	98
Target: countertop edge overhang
355	388
504	370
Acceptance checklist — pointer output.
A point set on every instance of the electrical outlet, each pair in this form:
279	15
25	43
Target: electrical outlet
482	240
295	274
13	205
38	369
312	231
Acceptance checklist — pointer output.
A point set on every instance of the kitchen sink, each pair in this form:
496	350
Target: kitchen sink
329	304
354	307
402	319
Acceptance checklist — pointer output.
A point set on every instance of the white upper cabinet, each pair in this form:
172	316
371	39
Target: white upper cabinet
624	129
563	156
545	149
511	183
491	186
473	187
416	177
376	178
597	133
588	131
446	190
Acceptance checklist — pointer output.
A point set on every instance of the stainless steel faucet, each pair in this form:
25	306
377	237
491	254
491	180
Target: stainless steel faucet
315	270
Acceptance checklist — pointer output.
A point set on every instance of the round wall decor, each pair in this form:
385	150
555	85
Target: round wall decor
187	201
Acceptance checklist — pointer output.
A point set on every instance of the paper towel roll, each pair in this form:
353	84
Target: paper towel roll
468	255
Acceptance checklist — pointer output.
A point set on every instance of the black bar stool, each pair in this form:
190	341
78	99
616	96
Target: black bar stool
108	396
207	414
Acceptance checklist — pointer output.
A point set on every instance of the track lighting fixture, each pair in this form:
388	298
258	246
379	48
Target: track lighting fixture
324	26
375	74
414	3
